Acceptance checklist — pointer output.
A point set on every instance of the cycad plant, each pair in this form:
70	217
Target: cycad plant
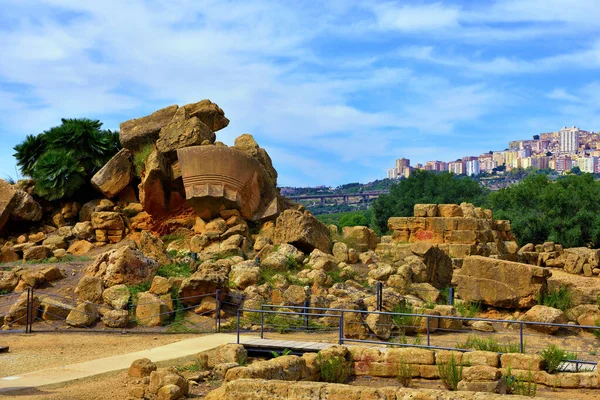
63	159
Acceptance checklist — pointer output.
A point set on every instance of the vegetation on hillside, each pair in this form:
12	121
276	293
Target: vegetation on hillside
565	210
62	159
353	218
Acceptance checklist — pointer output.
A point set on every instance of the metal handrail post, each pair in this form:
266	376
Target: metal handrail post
305	311
238	326
262	325
341	338
521	337
27	311
218	311
428	333
451	296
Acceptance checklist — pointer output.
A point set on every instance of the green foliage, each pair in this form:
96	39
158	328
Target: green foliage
140	157
134	290
170	270
339	276
559	298
489	344
564	211
58	174
425	187
28	152
519	385
596	332
404	374
284	323
554	358
194	366
62	159
171	237
450	373
468	309
284	352
3	292
349	218
405	323
333	369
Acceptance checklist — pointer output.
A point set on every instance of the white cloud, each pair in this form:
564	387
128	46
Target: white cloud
412	18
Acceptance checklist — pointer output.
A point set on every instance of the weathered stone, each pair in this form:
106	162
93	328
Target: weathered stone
116	318
182	133
482	326
151	310
115	175
531	362
500	283
207	279
425	210
84	231
25	208
209	113
108	220
167	376
545	314
55	242
80	247
8	253
123	265
155	188
169	392
17	314
382	272
8	281
340	252
449	210
33	278
137	133
90	289
244	274
54	310
241	183
141	368
153	247
36	253
84	314
51	273
160	285
380	324
116	296
302	230
8	201
360	238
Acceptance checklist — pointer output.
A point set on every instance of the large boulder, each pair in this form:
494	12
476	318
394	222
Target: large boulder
360	238
209	113
207	279
115	175
183	133
500	283
8	201
153	247
248	145
36	253
151	310
545	314
137	133
302	230
438	266
90	289
85	314
123	266
578	259
8	281
109	220
116	296
26	208
155	188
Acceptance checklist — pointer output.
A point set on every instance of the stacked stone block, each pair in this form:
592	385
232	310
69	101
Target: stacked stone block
459	230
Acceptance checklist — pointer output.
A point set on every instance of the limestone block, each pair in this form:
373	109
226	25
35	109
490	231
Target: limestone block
115	175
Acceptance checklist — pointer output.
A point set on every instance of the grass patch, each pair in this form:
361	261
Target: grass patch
193	366
404	375
559	298
140	157
520	385
333	369
171	237
451	373
468	309
4	292
286	323
267	275
555	358
405	323
489	344
134	290
174	270
596	332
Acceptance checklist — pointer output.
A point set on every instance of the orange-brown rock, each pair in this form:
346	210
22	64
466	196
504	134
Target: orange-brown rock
136	133
115	175
302	230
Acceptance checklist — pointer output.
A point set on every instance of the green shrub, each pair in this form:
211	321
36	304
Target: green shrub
284	352
468	309
4	291
62	159
333	369
559	298
134	290
596	332
555	358
171	237
140	157
404	374
450	373
489	344
519	385
174	270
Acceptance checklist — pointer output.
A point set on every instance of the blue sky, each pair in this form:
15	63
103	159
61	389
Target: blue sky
335	91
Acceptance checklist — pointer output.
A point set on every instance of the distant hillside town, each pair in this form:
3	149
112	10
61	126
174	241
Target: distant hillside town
557	151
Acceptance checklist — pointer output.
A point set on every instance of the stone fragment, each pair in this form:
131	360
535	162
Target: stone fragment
26	208
141	368
544	314
182	133
153	247
137	133
90	289
123	265
302	230
115	175
84	314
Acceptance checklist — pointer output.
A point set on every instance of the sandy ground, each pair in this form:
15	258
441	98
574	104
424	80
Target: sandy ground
45	350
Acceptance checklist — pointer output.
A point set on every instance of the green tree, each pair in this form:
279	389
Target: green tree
62	159
425	187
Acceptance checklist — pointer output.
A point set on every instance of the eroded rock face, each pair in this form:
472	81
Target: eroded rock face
302	230
209	113
123	266
155	187
500	283
360	238
218	178
136	133
26	208
115	175
8	200
183	133
207	279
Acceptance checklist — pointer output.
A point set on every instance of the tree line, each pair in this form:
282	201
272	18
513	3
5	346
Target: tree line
565	210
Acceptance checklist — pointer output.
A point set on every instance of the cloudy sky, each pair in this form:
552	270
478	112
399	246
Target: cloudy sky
335	90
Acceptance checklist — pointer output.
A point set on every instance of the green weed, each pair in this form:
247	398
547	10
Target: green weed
559	298
171	237
140	157
405	323
489	344
519	385
468	309
404	374
174	270
450	373
283	352
555	358
134	290
333	369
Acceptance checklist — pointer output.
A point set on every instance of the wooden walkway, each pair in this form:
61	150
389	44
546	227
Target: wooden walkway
293	345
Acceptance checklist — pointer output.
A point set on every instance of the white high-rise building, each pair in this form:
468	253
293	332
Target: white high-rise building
392	173
473	167
569	140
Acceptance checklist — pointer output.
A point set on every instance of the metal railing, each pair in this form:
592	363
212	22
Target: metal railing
344	324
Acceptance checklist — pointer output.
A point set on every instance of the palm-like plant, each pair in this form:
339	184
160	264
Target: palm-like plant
58	174
28	152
